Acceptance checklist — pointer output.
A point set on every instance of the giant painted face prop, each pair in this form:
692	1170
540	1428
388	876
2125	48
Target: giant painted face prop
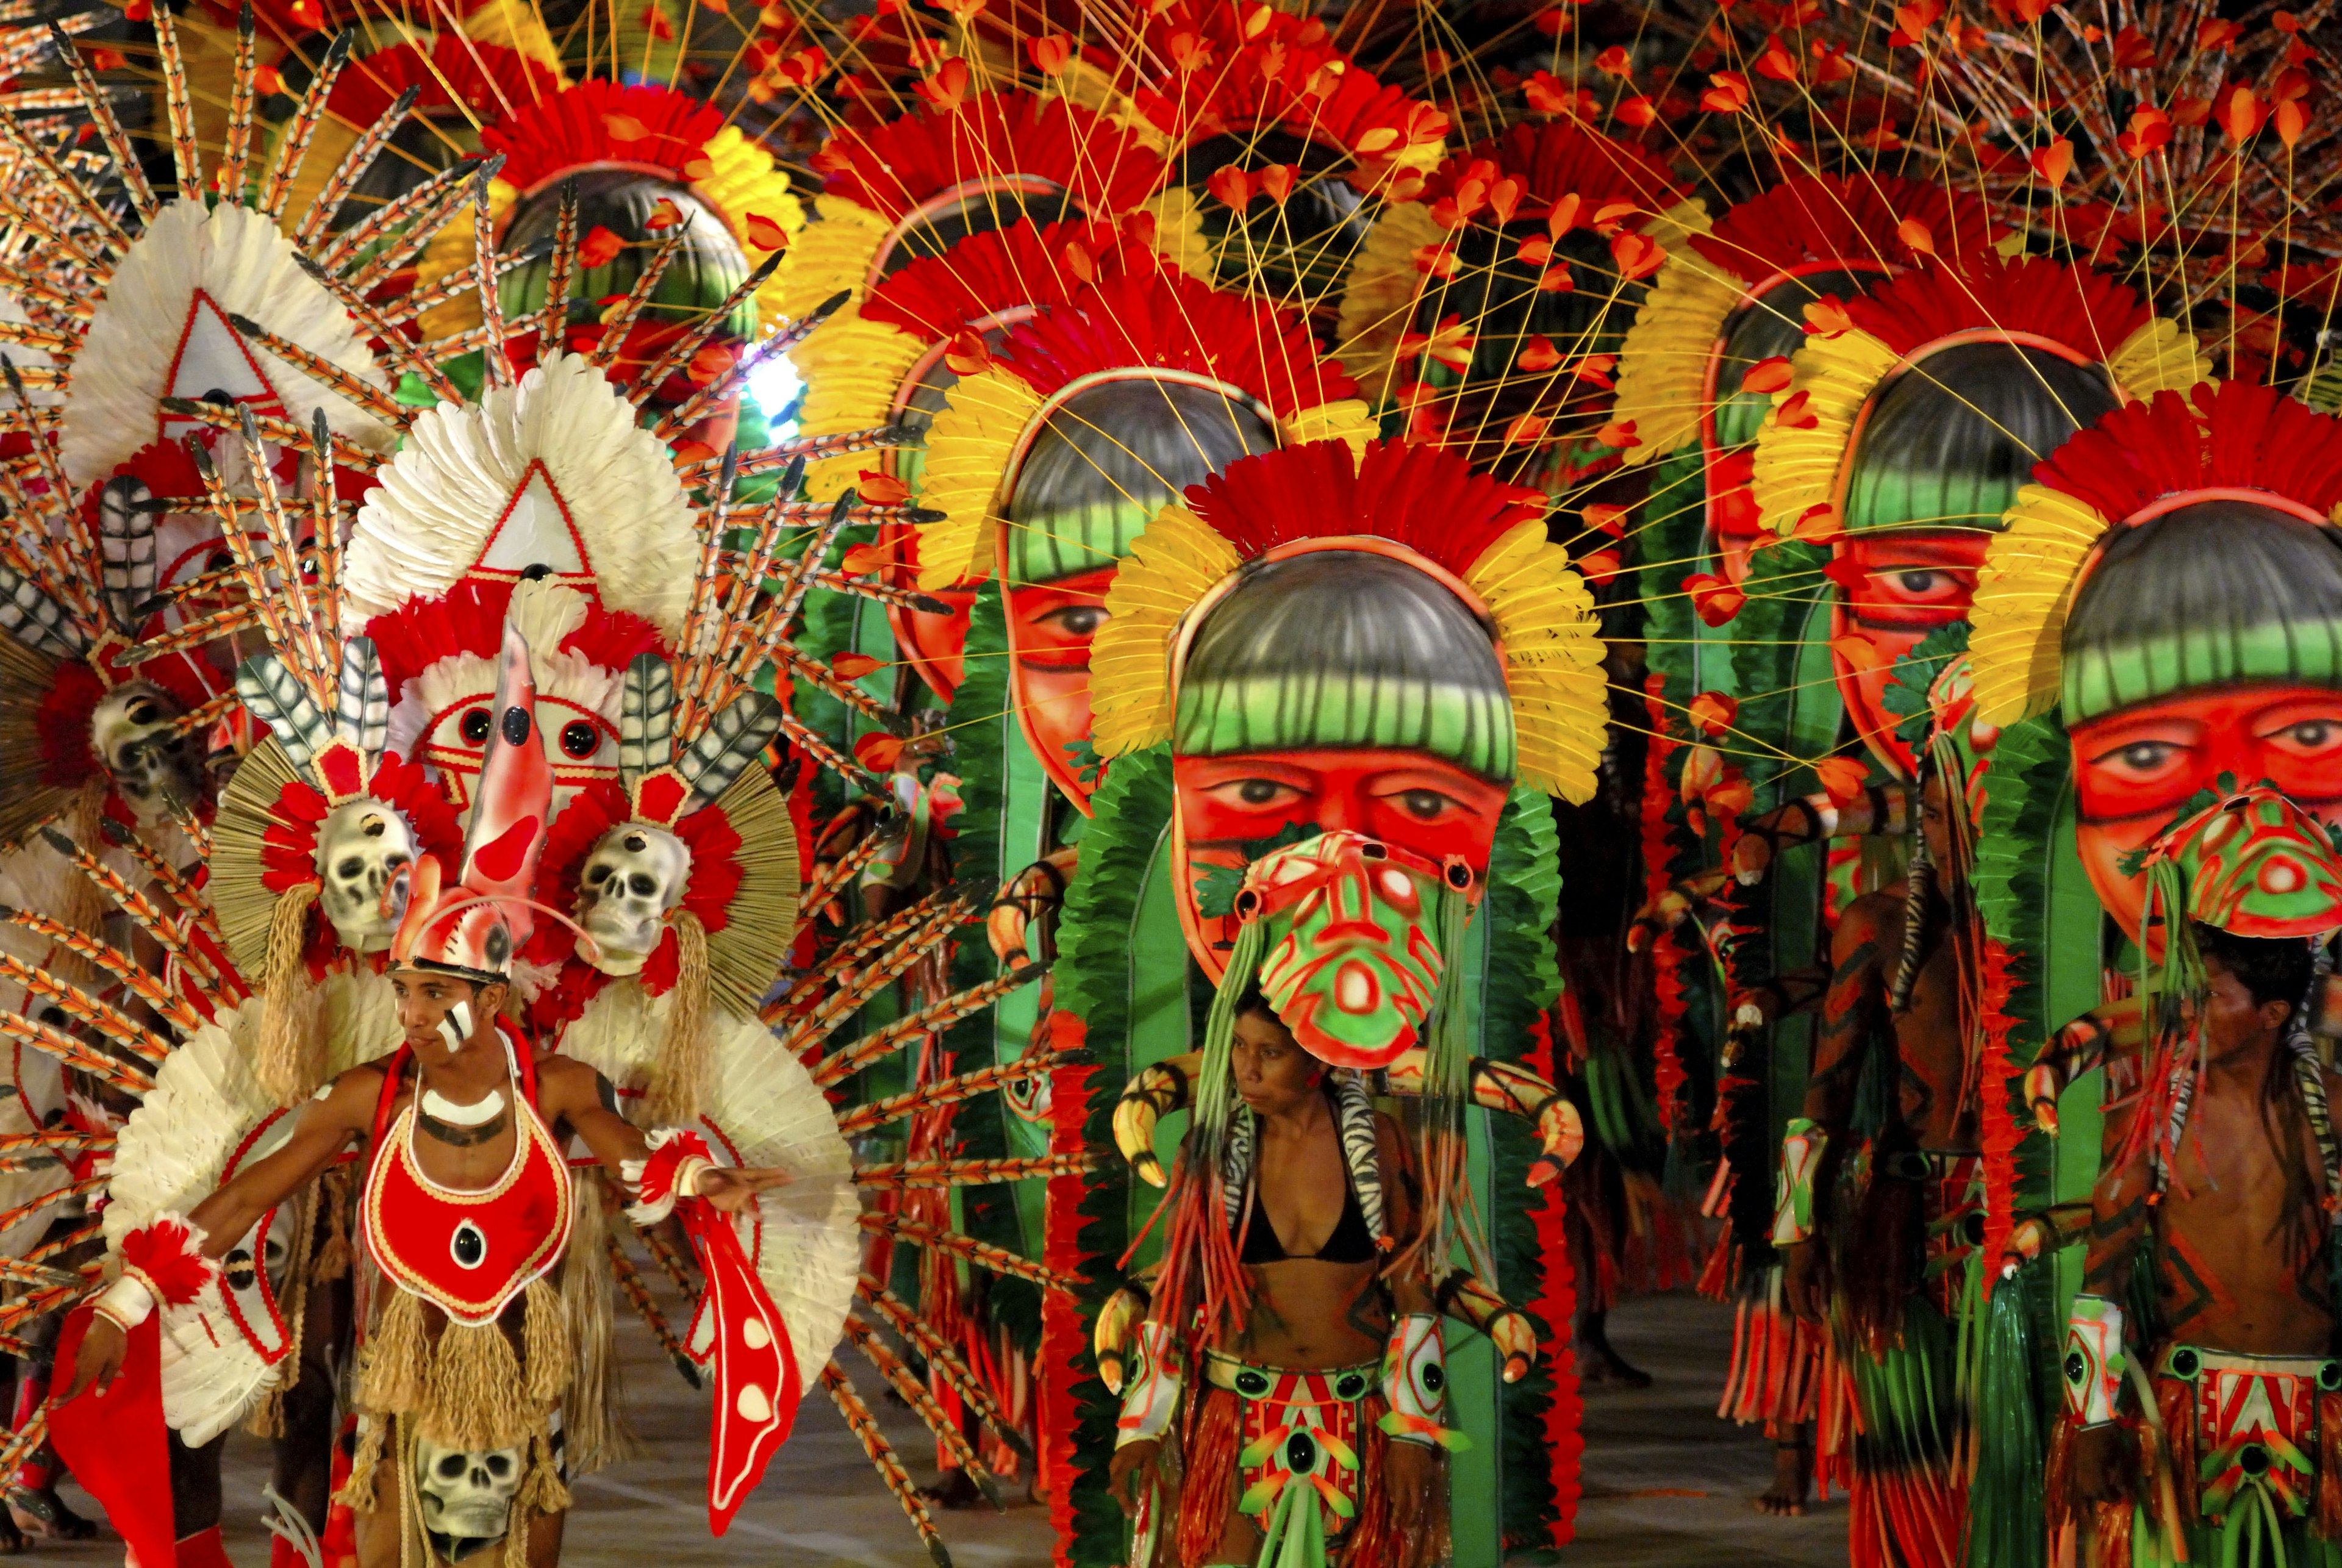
1345	644
1913	414
952	223
1342	691
2201	646
2172	584
1938	452
1741	291
1106	459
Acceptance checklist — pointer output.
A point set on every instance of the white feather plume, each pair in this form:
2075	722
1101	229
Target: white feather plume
455	480
237	258
806	1238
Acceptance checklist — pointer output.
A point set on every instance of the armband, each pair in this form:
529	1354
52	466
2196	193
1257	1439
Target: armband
1415	1385
162	1264
1802	1147
2095	1360
677	1160
1151	1389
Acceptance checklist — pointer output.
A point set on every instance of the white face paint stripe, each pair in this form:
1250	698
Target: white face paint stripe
456	1026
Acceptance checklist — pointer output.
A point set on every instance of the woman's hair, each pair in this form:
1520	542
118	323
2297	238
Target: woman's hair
1949	440
2206	595
2269	968
1107	459
1346	648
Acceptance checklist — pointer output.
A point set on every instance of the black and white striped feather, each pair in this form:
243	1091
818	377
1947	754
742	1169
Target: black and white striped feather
646	718
125	527
362	699
276	698
36	620
734	737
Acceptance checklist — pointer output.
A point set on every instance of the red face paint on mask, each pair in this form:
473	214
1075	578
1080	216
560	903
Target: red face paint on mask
935	645
2135	768
1050	629
1408	799
1894	589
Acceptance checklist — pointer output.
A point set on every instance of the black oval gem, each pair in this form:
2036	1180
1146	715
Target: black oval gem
2330	1376
2183	1362
469	1246
237	1266
1435	1377
1352	1386
474	727
1973	1230
1301	1453
516	725
2076	1366
1251	1384
2254	1460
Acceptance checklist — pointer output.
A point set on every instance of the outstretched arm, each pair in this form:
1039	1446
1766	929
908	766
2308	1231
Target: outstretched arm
569	1090
322	1129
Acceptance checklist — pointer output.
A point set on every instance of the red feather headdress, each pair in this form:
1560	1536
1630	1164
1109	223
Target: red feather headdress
894	168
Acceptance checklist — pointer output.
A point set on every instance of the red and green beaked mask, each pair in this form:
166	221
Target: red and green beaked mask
2256	865
1353	943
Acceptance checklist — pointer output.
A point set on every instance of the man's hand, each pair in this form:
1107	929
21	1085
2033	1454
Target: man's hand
1805	1281
2103	1464
734	1189
1135	1469
99	1358
1410	1478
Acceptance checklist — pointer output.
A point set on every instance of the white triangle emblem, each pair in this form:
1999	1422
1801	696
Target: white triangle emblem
535	531
212	358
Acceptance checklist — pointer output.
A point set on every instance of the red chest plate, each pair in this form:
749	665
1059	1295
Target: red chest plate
469	1253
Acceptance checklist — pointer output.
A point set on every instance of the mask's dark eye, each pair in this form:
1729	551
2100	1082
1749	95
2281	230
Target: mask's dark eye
595	875
641	886
349	867
476	727
580	739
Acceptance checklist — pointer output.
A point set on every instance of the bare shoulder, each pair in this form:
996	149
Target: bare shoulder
357	1090
1874	918
566	1084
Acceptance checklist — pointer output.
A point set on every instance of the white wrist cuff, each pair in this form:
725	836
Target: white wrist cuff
128	1302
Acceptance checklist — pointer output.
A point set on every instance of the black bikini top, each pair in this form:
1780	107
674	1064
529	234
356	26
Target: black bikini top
1351	1241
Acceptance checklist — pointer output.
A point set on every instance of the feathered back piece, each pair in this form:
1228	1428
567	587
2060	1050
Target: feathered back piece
1482	238
892	169
1482	542
860	367
1239	68
920	184
2085	309
1830	227
451	75
1854	217
2236	455
601	122
1141	325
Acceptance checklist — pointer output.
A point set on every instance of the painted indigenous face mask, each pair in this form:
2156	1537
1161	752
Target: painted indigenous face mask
1354	954
1920	421
1743	288
2202	636
1375	644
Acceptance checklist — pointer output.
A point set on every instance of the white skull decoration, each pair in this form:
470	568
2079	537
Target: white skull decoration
152	767
466	1496
360	845
631	881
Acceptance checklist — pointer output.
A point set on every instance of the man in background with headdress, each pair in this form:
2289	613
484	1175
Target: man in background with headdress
2209	1276
1882	1173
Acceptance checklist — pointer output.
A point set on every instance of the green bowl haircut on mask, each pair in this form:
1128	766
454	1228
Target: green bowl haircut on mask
1949	440
1345	648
